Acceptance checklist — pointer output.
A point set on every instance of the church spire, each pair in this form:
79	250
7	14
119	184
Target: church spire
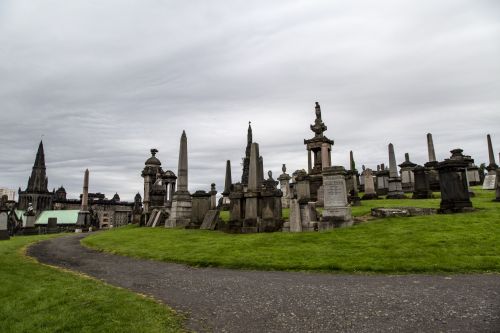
40	157
38	181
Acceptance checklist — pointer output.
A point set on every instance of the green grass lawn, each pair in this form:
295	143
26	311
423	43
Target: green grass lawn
468	242
38	298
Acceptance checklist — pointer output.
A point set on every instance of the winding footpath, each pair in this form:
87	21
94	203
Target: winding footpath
223	300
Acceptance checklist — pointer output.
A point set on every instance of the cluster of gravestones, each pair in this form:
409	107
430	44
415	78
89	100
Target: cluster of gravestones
255	204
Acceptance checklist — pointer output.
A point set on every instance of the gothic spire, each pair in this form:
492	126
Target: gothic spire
40	157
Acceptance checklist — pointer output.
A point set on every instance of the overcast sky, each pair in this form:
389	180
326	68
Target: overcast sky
105	81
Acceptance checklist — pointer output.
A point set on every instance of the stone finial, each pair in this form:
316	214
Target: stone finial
212	187
363	167
283	168
407	157
382	167
270	174
153	151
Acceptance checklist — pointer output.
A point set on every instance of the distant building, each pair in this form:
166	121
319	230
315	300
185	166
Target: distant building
11	194
105	212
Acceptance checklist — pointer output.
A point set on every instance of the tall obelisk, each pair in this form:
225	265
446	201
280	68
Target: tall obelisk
431	166
181	204
395	187
84	214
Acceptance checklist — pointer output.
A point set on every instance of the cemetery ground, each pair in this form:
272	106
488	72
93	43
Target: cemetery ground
39	298
452	243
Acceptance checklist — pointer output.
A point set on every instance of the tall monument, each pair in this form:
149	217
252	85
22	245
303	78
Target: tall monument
318	153
83	220
181	204
432	165
395	187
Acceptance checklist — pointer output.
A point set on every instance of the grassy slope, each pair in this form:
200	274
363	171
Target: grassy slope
37	298
440	243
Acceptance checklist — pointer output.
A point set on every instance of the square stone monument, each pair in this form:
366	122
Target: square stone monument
337	211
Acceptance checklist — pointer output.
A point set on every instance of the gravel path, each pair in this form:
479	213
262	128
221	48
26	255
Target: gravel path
223	300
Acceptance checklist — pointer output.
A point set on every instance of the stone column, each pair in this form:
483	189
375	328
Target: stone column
324	156
337	212
228	180
284	180
85	194
309	166
261	170
181	203
213	196
430	148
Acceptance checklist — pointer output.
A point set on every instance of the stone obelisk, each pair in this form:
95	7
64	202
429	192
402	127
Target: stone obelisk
395	187
180	215
227	186
83	220
355	199
252	194
432	165
492	166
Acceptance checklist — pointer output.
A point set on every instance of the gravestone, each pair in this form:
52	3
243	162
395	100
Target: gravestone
407	176
210	220
337	212
432	165
52	225
382	180
200	205
455	195
498	186
4	228
422	188
489	182
369	185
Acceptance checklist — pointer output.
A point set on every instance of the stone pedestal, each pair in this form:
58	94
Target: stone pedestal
181	211
433	175
84	220
382	182
337	212
454	186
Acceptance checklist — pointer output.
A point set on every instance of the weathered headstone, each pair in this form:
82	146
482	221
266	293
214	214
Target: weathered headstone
454	186
4	229
422	188
369	185
337	212
382	180
200	205
210	220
